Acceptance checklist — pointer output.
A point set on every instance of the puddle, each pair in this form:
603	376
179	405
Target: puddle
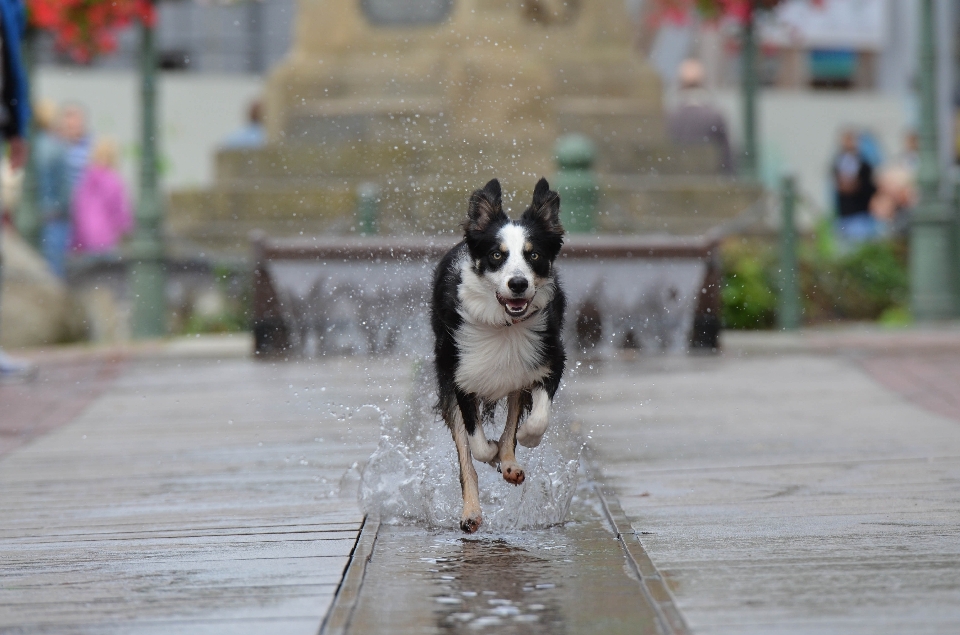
570	578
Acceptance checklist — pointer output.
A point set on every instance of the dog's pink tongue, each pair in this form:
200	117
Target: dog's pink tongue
517	305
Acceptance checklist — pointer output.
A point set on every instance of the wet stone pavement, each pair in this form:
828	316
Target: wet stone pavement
194	495
570	579
207	493
790	493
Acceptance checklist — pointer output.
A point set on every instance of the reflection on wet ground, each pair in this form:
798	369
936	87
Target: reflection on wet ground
569	579
492	583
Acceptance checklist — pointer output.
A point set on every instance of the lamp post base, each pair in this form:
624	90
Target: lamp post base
931	279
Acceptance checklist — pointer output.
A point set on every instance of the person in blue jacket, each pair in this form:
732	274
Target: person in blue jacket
14	120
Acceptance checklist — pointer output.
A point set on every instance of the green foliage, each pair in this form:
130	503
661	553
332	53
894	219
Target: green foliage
749	291
896	317
235	315
861	284
866	282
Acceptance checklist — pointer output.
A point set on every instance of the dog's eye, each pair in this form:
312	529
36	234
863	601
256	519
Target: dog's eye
496	255
534	255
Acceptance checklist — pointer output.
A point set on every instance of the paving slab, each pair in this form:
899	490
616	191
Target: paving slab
186	494
784	493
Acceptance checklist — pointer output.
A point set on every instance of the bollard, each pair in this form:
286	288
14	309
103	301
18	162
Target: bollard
575	183
789	309
368	195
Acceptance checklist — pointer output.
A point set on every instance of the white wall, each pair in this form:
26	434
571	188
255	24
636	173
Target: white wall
196	112
799	131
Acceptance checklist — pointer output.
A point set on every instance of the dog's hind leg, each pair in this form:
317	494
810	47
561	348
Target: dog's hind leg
471	517
511	470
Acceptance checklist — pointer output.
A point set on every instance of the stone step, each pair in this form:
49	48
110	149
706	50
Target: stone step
224	216
305	162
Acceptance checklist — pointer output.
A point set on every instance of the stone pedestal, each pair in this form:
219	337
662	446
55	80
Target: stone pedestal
429	99
505	76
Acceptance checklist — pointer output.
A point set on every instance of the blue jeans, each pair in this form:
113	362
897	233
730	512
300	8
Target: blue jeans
860	228
55	241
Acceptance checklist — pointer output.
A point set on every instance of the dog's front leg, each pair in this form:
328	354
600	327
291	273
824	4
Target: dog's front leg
471	516
532	430
482	450
511	470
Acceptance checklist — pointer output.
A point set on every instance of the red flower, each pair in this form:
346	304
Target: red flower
679	11
86	28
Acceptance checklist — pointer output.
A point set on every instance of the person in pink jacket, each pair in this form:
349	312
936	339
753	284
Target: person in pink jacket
101	208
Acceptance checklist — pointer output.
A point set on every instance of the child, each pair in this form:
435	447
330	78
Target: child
101	210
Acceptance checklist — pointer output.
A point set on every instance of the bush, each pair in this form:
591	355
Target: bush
860	285
868	282
749	293
233	286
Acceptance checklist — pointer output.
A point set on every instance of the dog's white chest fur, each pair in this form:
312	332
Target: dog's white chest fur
497	360
497	357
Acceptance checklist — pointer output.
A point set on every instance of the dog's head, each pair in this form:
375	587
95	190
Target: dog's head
514	259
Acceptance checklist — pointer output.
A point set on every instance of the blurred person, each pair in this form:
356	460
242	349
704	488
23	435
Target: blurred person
252	135
101	208
11	188
695	120
869	147
14	120
909	158
896	189
76	140
52	188
853	182
894	200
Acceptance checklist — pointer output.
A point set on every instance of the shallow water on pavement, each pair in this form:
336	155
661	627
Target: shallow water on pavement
565	579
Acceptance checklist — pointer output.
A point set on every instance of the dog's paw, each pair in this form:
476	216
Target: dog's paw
533	429
470	523
528	439
512	472
485	453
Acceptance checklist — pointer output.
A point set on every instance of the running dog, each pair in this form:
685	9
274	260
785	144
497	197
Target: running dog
497	315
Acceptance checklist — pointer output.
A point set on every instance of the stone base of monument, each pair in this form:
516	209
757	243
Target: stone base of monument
318	296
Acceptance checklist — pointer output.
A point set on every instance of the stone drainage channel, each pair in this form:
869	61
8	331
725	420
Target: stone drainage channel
591	575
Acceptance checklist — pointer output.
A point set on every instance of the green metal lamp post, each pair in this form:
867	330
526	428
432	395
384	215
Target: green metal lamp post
789	306
749	166
931	232
576	183
148	274
27	219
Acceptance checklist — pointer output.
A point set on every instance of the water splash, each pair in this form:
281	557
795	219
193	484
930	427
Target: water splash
413	476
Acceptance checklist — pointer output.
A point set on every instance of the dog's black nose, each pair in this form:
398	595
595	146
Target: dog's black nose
517	285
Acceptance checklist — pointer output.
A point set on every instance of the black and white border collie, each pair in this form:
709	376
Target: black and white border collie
497	314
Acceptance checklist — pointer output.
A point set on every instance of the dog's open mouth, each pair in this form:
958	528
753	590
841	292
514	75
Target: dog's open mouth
514	306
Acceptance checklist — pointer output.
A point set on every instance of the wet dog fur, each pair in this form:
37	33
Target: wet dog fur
497	316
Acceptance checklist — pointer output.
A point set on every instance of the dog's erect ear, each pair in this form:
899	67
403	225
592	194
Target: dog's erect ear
485	208
545	208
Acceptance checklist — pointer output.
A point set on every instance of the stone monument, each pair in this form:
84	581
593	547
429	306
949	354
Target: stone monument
429	99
